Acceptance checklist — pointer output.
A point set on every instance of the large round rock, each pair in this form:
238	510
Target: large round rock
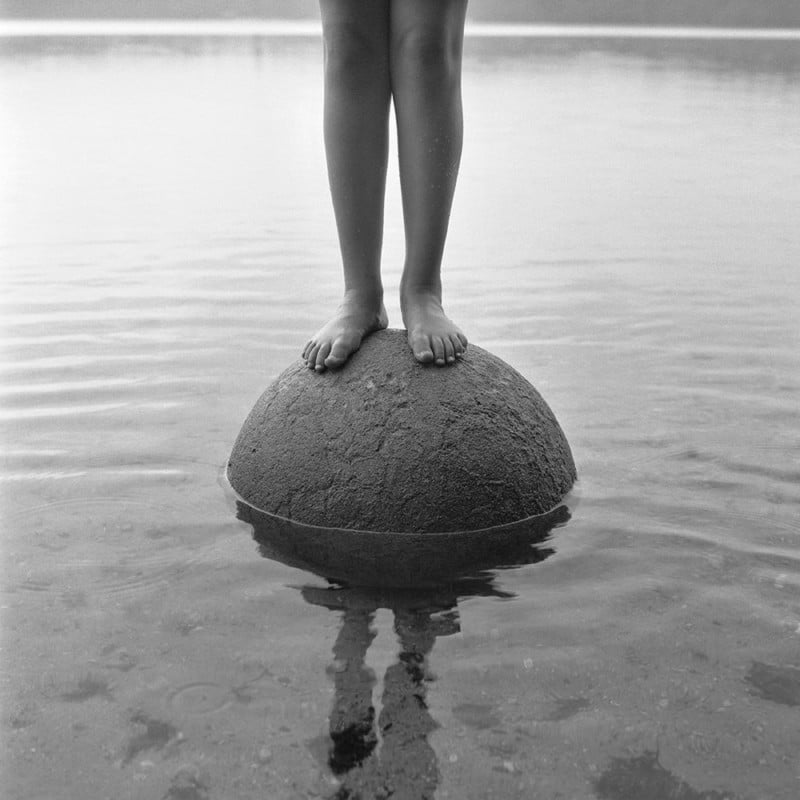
388	444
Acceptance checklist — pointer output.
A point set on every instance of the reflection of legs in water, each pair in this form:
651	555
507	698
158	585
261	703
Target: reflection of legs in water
353	715
404	720
404	767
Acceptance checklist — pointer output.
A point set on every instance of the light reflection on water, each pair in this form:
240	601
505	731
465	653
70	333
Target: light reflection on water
625	235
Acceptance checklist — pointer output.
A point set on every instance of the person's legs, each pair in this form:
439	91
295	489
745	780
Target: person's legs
356	120
426	38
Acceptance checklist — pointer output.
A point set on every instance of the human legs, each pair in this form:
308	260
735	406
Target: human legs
356	118
426	38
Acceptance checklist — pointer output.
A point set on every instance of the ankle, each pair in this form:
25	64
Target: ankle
367	296
421	286
414	294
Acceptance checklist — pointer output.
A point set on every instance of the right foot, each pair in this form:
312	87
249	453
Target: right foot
432	336
337	340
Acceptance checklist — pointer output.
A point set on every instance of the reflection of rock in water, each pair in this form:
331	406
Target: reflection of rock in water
363	558
420	578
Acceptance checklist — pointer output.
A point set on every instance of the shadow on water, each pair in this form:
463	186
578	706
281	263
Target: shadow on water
390	755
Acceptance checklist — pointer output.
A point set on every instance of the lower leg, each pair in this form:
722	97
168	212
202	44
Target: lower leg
356	113
426	44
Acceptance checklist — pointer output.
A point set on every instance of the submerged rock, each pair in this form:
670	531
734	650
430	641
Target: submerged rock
388	444
644	777
403	560
780	684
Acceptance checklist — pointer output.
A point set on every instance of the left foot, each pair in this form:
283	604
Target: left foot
432	336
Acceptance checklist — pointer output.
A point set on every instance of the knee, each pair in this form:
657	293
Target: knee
351	56
428	53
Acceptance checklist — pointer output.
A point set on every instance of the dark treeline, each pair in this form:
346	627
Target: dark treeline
747	13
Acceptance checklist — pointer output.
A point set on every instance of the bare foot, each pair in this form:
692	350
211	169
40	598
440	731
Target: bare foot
432	336
341	336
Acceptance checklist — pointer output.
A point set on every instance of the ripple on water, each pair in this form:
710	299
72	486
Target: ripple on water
104	547
201	698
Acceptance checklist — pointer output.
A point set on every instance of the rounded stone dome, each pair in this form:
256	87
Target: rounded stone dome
387	444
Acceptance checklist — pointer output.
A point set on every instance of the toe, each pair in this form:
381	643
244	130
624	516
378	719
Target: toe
458	347
333	362
438	349
449	350
311	356
322	354
338	355
421	347
463	339
307	349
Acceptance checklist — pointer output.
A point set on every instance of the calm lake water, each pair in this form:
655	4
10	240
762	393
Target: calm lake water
625	234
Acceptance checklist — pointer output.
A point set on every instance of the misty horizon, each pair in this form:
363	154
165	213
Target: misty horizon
720	13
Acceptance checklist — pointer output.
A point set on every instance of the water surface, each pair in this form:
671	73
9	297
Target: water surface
625	235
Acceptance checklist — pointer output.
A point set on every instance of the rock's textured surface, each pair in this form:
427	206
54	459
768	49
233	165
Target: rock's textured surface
387	444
